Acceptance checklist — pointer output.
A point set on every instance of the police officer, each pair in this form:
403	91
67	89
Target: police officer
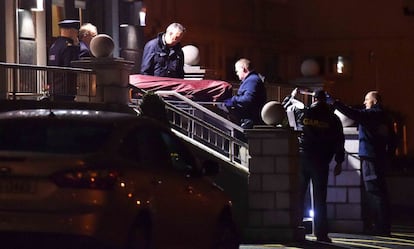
321	138
163	56
64	50
66	47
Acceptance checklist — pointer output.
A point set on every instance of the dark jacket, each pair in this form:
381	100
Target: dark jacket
160	60
62	52
62	85
250	98
373	128
84	50
322	133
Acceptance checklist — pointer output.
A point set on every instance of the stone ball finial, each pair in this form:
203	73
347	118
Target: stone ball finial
191	55
273	113
310	67
102	45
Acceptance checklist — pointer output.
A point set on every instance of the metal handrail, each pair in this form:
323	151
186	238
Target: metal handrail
198	106
37	67
33	82
218	133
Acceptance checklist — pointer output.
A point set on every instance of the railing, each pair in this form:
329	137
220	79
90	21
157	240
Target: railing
187	117
34	82
206	127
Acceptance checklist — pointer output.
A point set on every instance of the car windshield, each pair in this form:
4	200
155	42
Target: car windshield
57	136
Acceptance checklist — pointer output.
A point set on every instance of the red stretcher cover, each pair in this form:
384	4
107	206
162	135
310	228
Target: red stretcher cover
196	90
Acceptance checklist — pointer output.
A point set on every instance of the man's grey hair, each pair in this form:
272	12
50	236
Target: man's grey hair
87	29
244	63
175	26
376	95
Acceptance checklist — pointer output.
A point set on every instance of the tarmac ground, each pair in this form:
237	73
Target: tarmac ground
402	237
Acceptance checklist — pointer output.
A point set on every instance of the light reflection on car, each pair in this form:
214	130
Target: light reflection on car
85	178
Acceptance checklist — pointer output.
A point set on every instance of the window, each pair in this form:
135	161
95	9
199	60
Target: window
145	146
340	66
59	136
181	158
155	148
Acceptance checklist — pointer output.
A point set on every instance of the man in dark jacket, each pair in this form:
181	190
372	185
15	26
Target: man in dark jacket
321	139
247	104
163	56
86	33
373	133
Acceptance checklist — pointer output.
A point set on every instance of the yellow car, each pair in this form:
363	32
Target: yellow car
90	176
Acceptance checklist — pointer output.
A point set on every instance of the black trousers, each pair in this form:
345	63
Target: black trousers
376	210
315	168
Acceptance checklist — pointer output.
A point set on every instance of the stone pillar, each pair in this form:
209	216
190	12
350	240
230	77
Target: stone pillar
272	188
112	80
344	191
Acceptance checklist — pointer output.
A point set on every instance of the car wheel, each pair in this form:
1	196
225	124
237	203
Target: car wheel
226	236
140	234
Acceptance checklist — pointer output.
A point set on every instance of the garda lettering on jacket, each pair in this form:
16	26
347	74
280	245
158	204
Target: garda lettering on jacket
315	123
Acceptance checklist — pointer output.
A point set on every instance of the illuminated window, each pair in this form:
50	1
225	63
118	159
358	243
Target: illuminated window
340	65
142	15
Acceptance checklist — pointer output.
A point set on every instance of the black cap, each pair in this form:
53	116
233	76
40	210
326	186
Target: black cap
320	95
69	24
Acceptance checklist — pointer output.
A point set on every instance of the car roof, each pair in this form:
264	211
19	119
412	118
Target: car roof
14	105
66	114
100	112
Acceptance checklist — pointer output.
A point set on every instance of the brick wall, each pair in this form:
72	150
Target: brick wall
272	194
272	187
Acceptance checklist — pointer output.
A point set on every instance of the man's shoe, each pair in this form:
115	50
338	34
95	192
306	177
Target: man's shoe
324	239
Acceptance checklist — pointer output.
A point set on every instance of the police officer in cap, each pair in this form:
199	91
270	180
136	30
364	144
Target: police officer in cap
64	50
66	47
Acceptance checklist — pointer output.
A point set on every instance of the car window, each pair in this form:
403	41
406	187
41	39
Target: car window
153	147
145	146
59	136
181	158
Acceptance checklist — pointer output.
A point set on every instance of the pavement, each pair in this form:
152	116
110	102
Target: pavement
402	237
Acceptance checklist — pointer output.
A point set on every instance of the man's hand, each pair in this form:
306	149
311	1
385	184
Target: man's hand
228	102
329	99
294	92
222	107
338	169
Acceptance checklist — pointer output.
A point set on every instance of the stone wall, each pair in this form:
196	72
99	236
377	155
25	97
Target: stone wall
344	191
272	188
272	193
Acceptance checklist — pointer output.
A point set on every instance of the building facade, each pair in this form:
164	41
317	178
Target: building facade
358	46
